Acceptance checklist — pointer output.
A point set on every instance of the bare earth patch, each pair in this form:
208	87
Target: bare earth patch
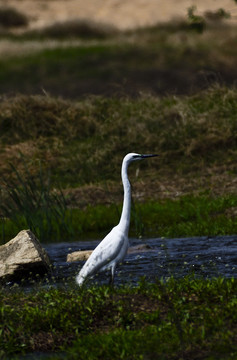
122	14
217	182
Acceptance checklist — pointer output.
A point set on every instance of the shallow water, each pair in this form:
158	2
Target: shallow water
203	256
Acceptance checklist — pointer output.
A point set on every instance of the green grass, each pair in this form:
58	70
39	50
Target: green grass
161	59
202	215
48	68
31	202
186	318
189	216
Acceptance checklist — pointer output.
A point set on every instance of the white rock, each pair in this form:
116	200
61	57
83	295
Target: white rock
85	254
21	256
79	255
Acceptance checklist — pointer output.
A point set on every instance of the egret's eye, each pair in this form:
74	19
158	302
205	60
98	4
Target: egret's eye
136	156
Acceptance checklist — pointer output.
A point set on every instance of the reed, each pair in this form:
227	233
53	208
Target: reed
202	215
30	200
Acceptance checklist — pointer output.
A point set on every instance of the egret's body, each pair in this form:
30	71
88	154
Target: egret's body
113	248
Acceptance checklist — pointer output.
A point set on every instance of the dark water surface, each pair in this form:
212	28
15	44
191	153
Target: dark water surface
204	256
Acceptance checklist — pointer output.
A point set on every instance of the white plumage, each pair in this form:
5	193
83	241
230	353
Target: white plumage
113	248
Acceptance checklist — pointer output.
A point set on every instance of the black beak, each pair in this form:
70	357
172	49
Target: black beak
149	155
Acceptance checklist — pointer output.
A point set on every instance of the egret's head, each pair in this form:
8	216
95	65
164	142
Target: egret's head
134	157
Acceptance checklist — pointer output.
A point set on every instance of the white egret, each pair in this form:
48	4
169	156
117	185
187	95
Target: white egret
113	248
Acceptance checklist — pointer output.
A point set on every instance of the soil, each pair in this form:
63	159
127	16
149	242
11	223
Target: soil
214	181
122	14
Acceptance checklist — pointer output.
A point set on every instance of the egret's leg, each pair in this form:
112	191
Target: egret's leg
111	281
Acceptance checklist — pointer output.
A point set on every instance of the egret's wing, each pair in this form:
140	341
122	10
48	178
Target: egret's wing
104	253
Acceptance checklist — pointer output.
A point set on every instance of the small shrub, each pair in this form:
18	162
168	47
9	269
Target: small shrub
10	17
78	28
196	22
217	15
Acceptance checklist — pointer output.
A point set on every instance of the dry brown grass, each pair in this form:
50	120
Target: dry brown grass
83	143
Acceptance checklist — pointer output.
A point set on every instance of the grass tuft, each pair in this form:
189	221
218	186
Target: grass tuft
31	202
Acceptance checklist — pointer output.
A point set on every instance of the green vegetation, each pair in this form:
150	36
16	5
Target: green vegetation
60	159
164	59
195	136
32	203
165	320
201	215
187	216
165	90
88	138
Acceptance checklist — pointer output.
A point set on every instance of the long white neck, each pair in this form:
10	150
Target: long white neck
125	216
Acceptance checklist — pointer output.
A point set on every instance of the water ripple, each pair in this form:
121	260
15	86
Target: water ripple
203	256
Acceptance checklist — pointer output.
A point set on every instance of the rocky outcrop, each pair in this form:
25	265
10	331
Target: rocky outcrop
22	257
85	254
